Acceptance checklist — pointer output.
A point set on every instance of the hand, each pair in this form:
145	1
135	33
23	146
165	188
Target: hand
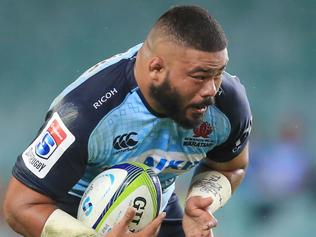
121	229
197	221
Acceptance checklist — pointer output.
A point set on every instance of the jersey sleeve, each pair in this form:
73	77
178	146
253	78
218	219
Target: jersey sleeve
233	102
59	155
56	158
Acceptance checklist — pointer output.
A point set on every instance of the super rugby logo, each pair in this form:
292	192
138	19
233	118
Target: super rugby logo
53	137
126	141
87	206
107	181
48	147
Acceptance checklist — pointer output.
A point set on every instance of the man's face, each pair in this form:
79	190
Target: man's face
173	103
189	86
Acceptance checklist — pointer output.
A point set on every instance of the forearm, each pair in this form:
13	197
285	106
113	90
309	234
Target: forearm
30	219
33	214
234	170
219	180
235	176
46	221
61	224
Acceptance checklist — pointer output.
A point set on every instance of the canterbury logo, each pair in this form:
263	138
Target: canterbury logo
125	140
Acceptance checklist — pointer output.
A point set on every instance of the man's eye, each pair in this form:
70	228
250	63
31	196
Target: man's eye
199	77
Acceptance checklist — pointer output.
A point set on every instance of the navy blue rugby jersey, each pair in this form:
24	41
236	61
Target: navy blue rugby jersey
102	119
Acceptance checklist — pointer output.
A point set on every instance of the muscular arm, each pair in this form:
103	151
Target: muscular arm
26	210
234	170
198	219
27	213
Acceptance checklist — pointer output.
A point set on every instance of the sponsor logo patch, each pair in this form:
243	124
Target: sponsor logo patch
200	136
204	130
125	142
48	147
54	136
104	98
243	137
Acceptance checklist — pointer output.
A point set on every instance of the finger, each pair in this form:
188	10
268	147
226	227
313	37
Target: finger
203	202
211	224
128	217
153	227
208	233
197	202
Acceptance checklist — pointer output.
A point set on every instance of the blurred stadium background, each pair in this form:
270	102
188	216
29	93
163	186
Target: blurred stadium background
45	45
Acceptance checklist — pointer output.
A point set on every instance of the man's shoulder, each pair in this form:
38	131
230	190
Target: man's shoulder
232	97
231	87
100	80
232	101
98	91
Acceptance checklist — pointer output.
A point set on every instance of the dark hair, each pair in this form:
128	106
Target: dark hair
193	27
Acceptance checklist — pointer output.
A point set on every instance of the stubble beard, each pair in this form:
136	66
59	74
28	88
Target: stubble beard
171	101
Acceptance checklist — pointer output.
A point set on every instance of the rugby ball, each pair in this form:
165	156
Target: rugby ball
109	195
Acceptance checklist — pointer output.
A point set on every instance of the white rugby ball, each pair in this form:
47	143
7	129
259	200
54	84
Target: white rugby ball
109	195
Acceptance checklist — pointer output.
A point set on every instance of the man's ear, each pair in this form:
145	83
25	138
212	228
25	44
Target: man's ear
156	68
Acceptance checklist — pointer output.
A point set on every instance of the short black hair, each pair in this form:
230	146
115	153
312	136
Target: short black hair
193	27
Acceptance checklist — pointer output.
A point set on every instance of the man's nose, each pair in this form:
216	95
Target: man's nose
209	88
